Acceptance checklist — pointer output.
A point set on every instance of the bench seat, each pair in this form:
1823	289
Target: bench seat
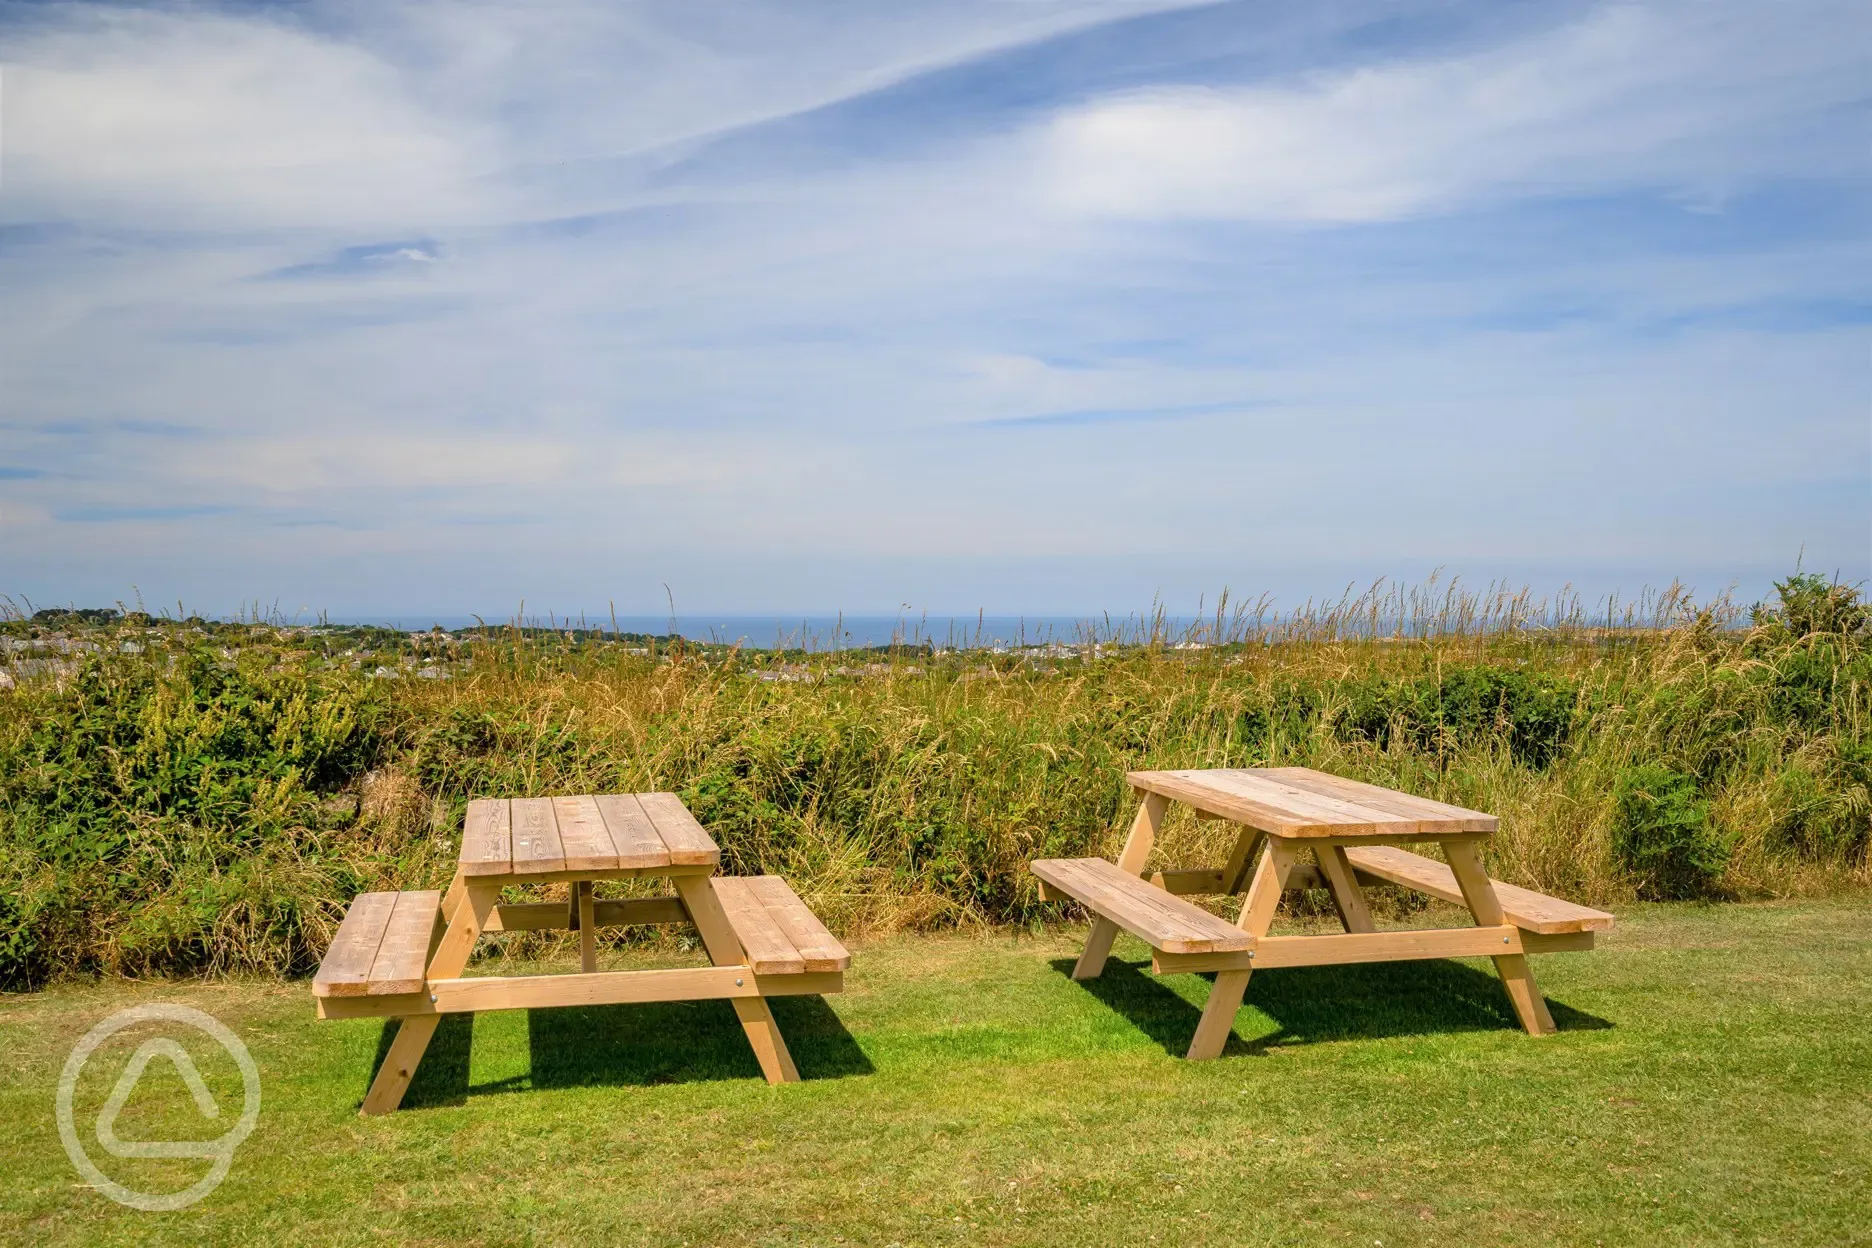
1167	924
1528	910
777	932
382	947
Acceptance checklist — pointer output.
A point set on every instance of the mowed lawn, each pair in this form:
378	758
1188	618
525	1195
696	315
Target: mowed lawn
1711	1083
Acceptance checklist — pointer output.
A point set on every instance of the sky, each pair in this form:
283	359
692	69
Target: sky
1047	306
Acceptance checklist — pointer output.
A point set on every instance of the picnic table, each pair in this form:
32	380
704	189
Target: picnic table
402	954
1351	831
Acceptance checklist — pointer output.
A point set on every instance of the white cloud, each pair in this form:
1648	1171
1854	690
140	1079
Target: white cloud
193	118
1694	98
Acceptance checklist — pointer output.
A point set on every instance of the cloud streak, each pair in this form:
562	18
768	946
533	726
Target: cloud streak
801	306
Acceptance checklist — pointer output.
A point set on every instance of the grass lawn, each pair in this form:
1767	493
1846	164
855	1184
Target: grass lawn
1711	1083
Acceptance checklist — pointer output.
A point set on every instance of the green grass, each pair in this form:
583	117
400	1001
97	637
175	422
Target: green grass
1711	1083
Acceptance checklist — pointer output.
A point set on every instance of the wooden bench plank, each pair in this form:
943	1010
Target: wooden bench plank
689	843
766	947
487	838
818	947
402	959
583	836
345	970
1110	893
1166	923
1526	909
632	832
536	844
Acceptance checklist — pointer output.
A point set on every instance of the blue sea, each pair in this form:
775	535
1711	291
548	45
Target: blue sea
817	632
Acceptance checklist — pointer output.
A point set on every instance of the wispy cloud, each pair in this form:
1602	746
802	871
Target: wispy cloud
458	304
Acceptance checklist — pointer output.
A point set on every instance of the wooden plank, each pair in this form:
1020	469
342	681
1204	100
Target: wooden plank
688	841
548	916
1264	892
399	1064
523	992
1099	938
1562	942
1141	908
1260	798
633	834
1347	899
345	969
1262	805
1516	975
820	950
1207	881
1242	858
579	989
1336	949
1406	805
1537	912
588	928
1308	810
401	958
767	948
582	834
763	1033
1218	1016
487	838
1144	828
536	844
1115	902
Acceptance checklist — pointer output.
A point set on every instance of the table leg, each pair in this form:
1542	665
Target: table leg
1132	858
588	928
1348	900
757	1020
1242	861
1516	976
415	1031
457	889
1257	915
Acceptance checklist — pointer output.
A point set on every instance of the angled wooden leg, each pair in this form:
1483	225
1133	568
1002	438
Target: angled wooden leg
1218	1016
1144	828
1347	898
457	889
724	949
449	955
1136	851
1516	976
1257	915
1098	945
1246	854
763	1033
399	1064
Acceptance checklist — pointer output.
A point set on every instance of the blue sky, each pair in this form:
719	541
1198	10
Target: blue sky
1026	305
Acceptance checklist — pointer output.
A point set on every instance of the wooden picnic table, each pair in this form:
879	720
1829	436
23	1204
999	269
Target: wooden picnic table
402	954
1350	830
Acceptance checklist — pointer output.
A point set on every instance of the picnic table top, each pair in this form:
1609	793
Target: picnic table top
614	832
1301	802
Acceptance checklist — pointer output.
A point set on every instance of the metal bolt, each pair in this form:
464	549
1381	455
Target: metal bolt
432	999
737	983
1504	940
1251	955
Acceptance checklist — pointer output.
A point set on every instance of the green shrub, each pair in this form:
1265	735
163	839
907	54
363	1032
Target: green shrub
1532	714
159	805
1662	834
